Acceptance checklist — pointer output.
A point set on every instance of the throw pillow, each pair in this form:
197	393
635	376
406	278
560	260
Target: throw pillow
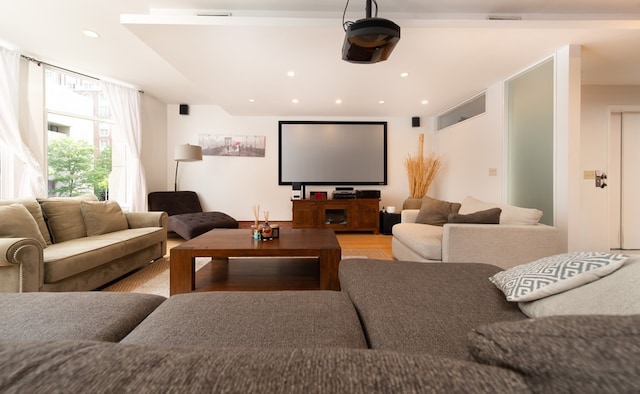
615	294
436	212
565	354
64	216
488	216
101	217
34	209
17	222
555	274
510	214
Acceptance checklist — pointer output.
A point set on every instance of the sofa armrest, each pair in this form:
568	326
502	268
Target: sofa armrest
409	215
504	245
21	265
147	219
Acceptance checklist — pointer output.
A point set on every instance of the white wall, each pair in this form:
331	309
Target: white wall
234	184
597	104
469	149
153	114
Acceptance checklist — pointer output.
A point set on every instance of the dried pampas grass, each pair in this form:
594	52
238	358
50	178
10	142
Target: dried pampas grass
421	170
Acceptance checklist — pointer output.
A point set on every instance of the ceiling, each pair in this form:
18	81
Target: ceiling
449	49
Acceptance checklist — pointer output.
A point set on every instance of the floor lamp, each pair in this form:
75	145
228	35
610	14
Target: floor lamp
185	152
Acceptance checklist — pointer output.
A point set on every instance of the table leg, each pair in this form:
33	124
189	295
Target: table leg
182	273
329	261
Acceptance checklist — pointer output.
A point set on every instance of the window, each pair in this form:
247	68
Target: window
84	154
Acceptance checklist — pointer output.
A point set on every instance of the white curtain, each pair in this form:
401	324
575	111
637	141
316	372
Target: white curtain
125	104
32	183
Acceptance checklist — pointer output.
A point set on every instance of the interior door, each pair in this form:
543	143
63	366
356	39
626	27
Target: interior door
629	181
624	185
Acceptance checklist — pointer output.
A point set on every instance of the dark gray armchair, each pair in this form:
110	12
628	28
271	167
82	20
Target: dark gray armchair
186	217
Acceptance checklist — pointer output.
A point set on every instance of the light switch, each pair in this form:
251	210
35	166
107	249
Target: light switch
493	171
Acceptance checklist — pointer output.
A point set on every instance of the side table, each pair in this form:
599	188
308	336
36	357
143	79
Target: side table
387	220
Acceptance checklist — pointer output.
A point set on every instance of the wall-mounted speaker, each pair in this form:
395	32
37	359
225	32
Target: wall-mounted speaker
415	121
184	109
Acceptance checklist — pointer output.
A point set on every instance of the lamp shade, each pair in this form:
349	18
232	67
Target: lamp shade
187	152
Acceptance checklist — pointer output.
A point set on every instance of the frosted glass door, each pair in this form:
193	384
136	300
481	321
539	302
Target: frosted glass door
530	140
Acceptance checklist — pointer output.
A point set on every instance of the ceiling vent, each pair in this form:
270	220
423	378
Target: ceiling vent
369	40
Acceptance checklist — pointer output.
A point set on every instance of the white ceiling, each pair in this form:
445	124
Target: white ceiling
449	48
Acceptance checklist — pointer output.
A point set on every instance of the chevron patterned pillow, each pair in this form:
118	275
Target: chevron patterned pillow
555	274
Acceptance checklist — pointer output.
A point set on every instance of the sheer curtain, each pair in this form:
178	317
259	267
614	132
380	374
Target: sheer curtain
125	104
32	183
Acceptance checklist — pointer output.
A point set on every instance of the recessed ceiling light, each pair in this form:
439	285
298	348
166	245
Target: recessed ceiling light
91	34
291	73
404	75
252	100
381	102
424	102
295	101
338	101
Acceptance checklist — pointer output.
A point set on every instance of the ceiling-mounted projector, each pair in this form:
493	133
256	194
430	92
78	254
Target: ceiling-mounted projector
370	40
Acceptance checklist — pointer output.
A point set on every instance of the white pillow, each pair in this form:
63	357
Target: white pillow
614	294
555	274
510	214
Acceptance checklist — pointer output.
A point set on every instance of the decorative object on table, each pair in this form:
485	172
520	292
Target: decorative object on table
255	227
275	230
266	232
185	152
318	195
233	145
421	170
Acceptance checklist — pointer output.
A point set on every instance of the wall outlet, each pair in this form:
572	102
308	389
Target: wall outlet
590	174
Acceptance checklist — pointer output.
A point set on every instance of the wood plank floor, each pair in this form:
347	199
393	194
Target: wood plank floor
285	274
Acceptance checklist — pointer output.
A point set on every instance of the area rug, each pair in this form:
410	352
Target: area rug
154	278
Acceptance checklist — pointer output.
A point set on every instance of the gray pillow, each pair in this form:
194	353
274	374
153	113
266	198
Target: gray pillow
615	294
64	216
436	212
562	354
488	216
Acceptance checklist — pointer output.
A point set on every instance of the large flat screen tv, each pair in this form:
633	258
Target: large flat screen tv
332	153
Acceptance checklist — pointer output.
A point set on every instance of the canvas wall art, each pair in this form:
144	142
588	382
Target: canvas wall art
232	145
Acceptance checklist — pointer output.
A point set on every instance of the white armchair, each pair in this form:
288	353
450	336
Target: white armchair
503	245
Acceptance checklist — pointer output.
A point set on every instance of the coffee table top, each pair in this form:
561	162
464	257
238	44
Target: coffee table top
241	240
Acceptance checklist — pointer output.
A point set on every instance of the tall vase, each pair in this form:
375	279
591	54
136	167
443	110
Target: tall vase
412	203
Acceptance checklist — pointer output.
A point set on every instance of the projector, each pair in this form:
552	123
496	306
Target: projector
370	40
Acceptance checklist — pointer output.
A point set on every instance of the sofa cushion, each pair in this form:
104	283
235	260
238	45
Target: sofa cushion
101	217
510	214
425	240
615	294
488	216
36	211
436	212
65	366
73	257
253	319
64	216
17	222
562	354
423	307
78	315
555	274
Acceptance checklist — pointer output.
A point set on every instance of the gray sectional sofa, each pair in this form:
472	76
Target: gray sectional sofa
74	244
396	327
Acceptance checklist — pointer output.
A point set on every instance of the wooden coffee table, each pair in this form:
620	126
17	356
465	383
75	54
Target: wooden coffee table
225	243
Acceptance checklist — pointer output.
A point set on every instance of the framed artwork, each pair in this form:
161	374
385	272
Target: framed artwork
232	145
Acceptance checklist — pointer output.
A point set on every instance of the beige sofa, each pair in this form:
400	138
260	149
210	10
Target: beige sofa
74	244
518	237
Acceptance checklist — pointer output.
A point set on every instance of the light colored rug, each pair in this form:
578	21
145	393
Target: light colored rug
154	278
